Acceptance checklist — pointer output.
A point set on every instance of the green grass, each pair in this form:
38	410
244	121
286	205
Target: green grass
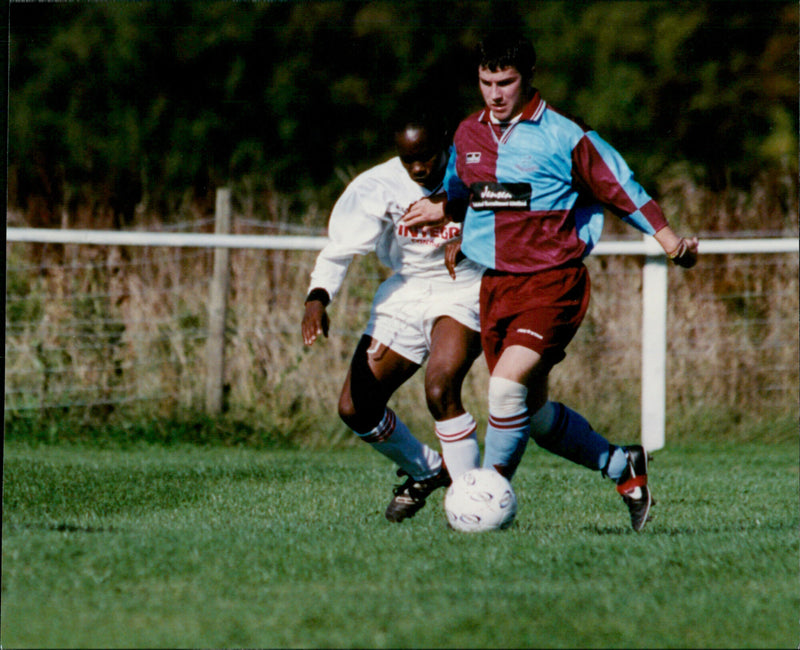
190	546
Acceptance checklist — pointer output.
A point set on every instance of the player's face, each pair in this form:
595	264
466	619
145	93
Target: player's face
503	91
423	159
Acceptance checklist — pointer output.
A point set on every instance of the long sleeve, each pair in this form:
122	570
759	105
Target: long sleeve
357	223
599	168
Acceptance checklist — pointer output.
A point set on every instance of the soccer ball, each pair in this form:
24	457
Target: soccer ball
480	499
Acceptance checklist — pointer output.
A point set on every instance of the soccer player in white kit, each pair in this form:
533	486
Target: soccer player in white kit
419	313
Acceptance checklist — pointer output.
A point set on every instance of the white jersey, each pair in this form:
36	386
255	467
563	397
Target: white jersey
367	217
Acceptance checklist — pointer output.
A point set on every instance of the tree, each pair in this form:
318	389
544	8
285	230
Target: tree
129	104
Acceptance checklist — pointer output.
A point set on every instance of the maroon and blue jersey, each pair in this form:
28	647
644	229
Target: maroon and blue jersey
537	189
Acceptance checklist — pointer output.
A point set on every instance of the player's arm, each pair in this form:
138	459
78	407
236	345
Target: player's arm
357	222
600	169
453	255
427	212
430	212
315	318
437	210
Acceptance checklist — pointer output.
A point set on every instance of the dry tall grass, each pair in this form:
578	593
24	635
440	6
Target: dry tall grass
120	332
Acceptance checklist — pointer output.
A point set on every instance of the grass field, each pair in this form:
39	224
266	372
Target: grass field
190	546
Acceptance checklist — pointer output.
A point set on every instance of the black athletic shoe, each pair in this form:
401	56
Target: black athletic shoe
632	485
410	496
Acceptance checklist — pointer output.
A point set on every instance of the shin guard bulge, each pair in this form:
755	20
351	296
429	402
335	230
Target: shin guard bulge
392	438
567	434
509	426
459	440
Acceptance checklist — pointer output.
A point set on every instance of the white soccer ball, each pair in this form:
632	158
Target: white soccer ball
478	500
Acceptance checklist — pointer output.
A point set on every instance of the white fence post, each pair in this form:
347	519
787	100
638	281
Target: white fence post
654	347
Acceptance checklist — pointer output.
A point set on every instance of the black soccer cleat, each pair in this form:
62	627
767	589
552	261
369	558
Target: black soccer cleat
410	496
632	485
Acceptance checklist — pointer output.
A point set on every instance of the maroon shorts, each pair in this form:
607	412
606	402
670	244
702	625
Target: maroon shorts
540	311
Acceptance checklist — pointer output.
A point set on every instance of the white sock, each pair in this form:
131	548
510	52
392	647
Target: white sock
459	442
393	439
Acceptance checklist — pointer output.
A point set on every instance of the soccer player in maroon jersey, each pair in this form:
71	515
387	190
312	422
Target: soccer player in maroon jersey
530	185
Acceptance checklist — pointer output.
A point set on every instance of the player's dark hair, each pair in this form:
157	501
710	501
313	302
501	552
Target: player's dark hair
501	49
422	112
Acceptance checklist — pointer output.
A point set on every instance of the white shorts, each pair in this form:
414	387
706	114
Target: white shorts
405	308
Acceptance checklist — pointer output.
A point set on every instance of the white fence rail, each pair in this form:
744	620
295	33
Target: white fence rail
292	242
654	286
184	240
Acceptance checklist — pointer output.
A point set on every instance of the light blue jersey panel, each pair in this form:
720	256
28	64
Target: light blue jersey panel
452	184
478	241
539	153
589	223
478	237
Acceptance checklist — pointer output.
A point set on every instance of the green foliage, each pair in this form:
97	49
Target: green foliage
128	104
671	82
213	547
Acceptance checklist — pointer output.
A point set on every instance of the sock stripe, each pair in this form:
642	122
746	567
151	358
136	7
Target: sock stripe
383	431
509	422
458	435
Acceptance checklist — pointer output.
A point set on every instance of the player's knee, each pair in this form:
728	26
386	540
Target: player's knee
347	410
360	419
436	398
506	397
441	397
349	414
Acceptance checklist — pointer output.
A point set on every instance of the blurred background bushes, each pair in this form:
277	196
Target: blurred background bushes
120	109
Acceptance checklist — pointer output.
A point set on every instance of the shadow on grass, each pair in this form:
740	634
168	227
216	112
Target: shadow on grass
59	528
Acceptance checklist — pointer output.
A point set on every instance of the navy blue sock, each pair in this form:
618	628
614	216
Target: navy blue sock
573	438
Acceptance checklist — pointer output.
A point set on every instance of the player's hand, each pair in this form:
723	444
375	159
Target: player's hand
452	256
315	321
426	213
685	253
